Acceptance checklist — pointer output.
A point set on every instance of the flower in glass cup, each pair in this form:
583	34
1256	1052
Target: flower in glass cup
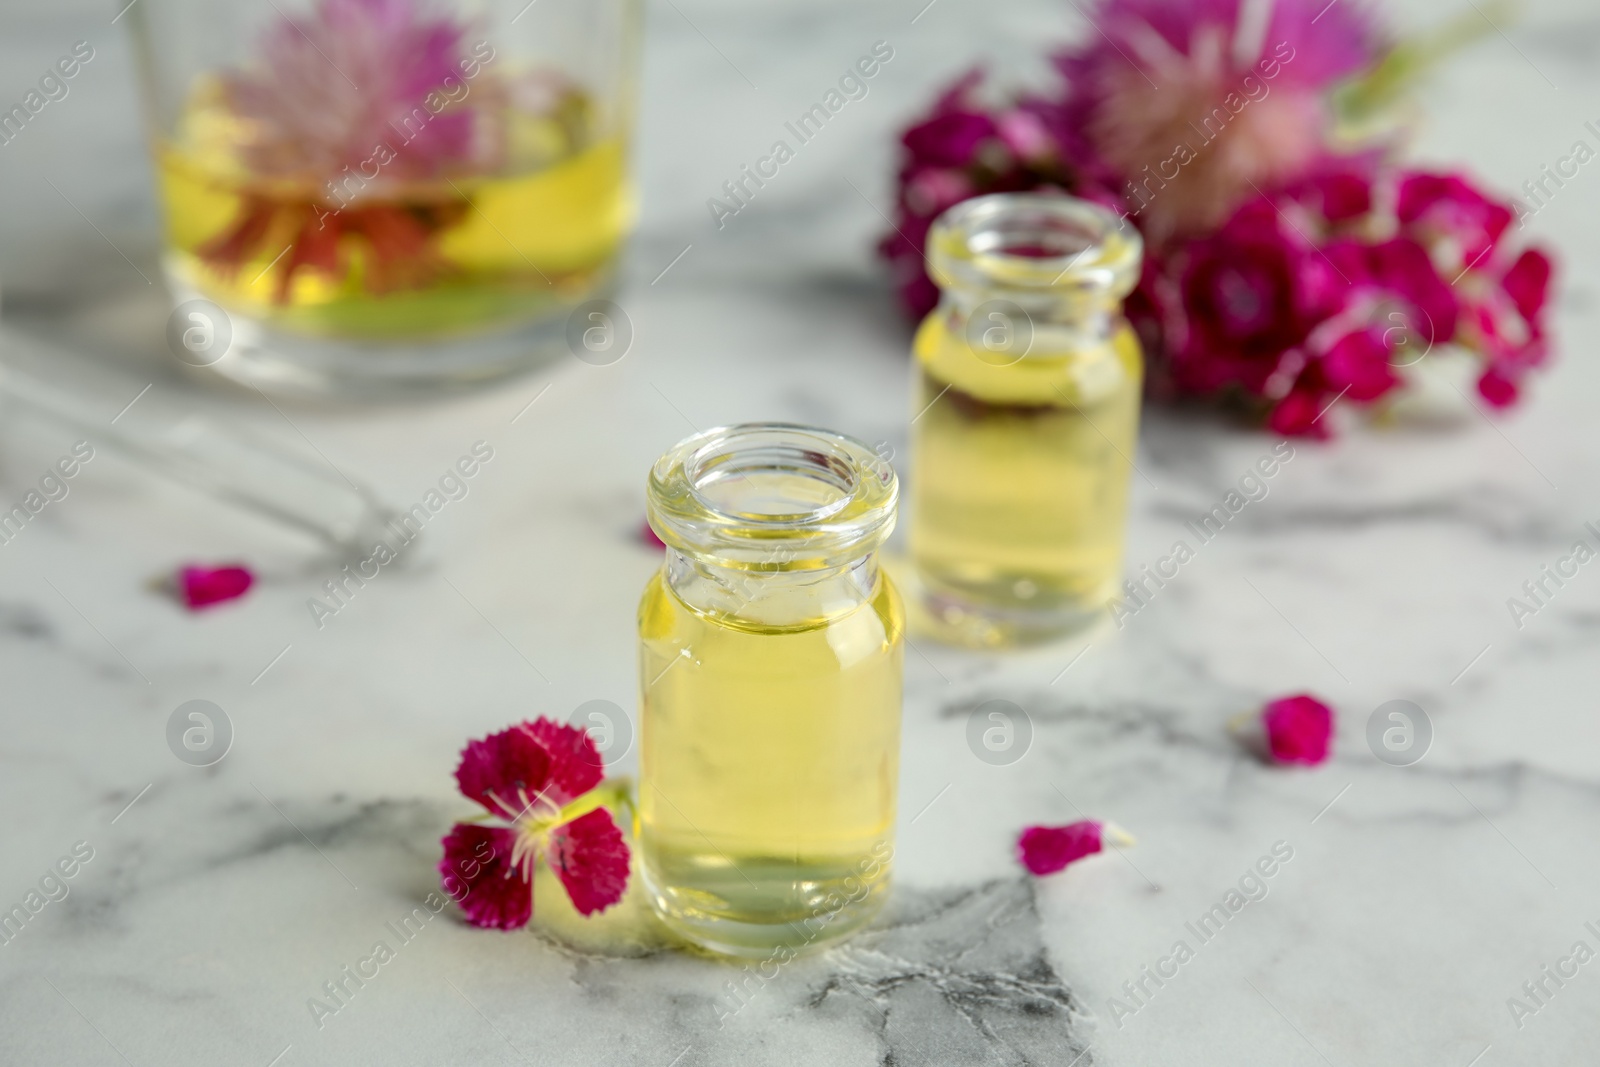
341	122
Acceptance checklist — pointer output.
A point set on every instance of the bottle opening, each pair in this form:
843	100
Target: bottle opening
767	476
772	496
1031	242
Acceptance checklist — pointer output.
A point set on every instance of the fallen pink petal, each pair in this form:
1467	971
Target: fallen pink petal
1048	849
201	587
1299	729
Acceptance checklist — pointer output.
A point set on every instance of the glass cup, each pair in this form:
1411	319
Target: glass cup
389	195
1025	417
770	673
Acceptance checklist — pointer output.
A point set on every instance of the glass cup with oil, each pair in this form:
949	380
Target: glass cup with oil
770	684
1025	418
389	195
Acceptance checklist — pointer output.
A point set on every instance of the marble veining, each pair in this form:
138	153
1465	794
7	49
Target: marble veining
221	900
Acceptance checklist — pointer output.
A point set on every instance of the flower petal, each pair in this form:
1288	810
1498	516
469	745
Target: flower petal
1047	849
1299	729
200	587
1497	388
576	766
477	873
590	857
1528	282
506	772
1299	414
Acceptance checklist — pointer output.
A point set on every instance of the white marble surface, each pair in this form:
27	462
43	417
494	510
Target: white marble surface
223	898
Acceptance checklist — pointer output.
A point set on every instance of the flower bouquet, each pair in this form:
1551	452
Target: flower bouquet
1293	260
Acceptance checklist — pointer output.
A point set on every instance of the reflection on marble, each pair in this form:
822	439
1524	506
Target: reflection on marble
221	899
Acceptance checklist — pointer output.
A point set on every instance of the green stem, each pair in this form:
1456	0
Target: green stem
614	793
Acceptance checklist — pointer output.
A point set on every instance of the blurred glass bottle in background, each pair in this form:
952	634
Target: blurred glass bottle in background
1025	417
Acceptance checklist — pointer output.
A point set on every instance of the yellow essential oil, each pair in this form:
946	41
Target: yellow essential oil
770	679
1025	418
502	248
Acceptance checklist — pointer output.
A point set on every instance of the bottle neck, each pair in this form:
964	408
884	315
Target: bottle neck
1056	266
1007	322
785	596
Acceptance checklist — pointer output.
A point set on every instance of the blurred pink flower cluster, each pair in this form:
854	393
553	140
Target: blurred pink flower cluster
1288	265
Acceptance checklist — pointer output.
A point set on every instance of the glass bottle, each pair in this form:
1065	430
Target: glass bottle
770	672
1025	417
390	195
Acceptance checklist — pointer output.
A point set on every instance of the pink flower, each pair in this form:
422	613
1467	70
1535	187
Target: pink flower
950	138
1047	849
1024	133
332	84
1252	294
1195	106
647	535
962	149
1357	365
1445	208
1527	283
1299	413
1396	299
201	587
1503	321
541	779
1298	729
1339	193
1498	389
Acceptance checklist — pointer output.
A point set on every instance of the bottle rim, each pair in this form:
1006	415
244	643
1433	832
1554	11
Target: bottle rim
1033	243
772	496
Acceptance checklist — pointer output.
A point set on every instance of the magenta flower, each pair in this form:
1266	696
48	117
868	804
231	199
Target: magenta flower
1299	413
1503	321
1048	849
352	74
1252	294
1299	729
542	781
345	115
1526	285
961	149
201	587
1194	107
1444	210
1286	268
1502	290
951	138
1358	365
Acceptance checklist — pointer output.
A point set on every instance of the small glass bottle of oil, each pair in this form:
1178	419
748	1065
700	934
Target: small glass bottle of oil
1025	417
770	666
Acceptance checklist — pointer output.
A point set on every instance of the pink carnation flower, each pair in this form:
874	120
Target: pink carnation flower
538	778
1299	729
1448	213
1252	293
201	587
